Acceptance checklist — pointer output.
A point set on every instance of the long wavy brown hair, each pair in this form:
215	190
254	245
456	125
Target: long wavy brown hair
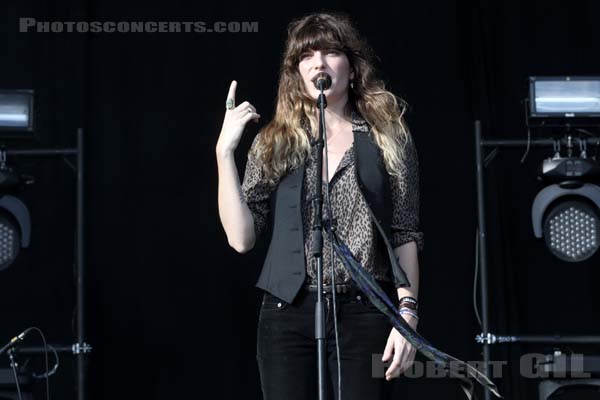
283	144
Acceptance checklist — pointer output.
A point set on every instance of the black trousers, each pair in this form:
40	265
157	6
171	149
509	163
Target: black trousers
287	349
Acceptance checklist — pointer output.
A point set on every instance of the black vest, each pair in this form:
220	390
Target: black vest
284	270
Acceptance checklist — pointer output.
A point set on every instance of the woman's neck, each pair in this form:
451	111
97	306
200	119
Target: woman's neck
337	114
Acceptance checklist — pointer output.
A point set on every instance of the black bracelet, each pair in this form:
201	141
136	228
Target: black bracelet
409	300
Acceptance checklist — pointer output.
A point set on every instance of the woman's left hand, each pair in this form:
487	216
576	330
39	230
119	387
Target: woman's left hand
402	351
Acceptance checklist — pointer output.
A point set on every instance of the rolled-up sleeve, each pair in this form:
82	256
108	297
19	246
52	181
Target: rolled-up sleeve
256	191
405	198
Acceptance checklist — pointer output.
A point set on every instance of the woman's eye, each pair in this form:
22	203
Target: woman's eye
334	52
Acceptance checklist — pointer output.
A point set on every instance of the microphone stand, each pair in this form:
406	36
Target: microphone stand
317	244
14	365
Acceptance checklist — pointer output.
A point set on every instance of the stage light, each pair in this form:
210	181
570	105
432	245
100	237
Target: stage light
566	214
564	97
15	229
16	121
15	222
571	231
16	112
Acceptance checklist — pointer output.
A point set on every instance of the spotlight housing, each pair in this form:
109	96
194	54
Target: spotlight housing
15	229
566	213
16	113
15	221
564	97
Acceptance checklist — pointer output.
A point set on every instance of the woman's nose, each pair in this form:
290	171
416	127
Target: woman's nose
319	58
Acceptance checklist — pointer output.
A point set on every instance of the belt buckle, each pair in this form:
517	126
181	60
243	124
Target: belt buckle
327	289
339	288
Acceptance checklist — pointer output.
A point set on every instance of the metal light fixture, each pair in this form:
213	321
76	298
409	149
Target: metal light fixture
16	121
15	229
16	112
15	222
566	213
564	97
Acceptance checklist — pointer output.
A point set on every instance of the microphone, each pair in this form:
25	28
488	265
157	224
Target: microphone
322	81
14	340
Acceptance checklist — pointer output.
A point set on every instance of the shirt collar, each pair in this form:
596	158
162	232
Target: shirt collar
359	124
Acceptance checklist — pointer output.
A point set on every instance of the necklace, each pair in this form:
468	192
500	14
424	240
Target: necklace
330	138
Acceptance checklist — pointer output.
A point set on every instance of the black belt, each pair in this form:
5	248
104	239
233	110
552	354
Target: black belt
341	288
344	288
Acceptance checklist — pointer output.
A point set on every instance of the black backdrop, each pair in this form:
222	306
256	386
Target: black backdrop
171	308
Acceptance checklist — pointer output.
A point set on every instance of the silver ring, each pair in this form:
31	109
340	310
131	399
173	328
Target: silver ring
229	105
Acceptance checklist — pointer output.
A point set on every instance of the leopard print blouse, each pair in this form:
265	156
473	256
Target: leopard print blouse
351	216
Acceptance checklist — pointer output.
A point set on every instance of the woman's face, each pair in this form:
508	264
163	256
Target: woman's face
333	62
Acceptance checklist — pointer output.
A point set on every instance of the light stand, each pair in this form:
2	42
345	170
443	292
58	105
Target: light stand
80	349
486	338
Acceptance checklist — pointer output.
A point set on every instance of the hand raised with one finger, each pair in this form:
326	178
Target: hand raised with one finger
235	121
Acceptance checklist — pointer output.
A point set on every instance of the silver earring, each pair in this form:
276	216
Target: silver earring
352	84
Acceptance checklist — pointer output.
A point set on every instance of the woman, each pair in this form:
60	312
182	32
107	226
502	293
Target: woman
372	174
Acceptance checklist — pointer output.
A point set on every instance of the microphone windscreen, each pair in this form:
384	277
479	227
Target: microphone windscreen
322	80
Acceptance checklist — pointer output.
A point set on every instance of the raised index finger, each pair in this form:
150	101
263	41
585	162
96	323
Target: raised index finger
231	94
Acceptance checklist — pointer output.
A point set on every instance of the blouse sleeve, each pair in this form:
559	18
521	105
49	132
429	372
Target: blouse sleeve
256	191
405	199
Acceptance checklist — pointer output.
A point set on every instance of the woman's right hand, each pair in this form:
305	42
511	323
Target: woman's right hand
235	121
